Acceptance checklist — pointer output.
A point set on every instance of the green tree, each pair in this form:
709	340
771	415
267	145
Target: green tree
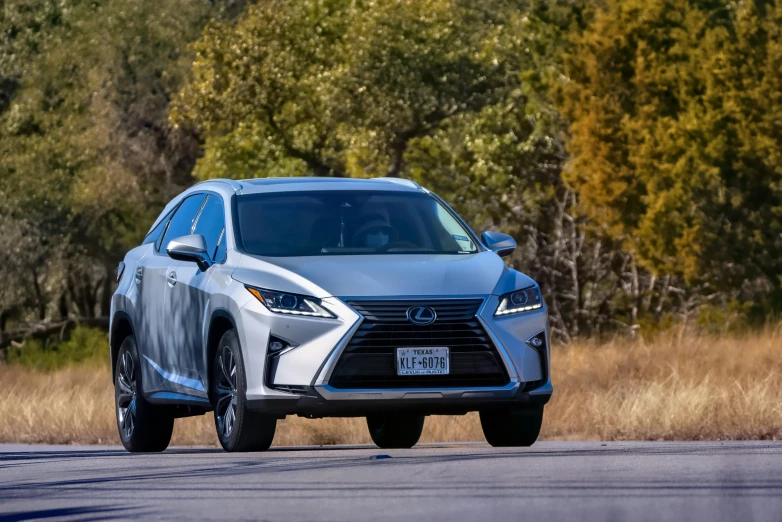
676	111
337	87
87	156
450	93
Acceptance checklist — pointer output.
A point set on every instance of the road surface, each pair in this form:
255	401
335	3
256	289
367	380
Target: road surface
554	481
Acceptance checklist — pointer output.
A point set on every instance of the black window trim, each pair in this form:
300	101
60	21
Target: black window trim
219	242
164	222
225	225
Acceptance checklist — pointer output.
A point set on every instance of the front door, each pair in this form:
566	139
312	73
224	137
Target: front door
150	277
188	300
159	342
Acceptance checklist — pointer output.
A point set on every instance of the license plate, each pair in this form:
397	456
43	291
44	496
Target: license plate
422	361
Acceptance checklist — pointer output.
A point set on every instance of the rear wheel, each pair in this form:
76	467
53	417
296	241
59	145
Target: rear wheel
238	428
143	427
512	427
395	430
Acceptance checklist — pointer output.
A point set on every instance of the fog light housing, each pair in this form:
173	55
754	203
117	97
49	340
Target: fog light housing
537	341
276	346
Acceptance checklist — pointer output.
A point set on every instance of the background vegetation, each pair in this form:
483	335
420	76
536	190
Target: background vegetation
633	147
679	387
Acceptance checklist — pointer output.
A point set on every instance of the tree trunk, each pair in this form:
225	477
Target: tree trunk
63	306
39	299
397	158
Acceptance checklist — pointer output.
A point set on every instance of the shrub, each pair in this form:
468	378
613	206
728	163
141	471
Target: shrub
83	345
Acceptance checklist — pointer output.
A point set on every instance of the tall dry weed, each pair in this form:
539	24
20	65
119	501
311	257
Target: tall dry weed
673	388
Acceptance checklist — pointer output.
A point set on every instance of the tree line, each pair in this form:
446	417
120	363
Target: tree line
633	147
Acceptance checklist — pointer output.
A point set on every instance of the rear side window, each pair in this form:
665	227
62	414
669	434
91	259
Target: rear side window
184	218
211	225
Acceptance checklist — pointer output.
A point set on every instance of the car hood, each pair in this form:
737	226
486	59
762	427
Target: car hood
382	275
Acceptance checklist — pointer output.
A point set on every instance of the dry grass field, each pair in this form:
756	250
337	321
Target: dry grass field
677	387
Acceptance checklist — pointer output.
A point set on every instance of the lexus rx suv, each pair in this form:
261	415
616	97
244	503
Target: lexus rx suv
316	297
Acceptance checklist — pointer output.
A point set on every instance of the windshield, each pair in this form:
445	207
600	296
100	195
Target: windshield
348	222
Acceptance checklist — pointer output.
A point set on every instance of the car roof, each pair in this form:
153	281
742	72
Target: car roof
228	187
295	184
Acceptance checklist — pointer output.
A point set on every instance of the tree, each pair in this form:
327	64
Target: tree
87	156
338	87
449	93
675	136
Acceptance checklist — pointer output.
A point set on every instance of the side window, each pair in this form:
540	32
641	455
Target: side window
211	225
154	234
182	222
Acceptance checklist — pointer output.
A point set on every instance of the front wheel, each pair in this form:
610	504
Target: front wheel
512	427
143	427
395	431
238	428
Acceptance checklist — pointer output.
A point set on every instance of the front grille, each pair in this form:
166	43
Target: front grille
368	360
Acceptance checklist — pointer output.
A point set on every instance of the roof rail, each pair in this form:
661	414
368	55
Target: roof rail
232	182
400	181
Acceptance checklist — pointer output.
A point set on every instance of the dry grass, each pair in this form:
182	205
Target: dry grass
682	388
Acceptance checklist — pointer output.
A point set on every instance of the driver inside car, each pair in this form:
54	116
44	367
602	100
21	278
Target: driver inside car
375	232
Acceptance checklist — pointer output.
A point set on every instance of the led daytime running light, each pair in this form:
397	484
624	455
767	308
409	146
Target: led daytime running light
526	300
296	312
517	310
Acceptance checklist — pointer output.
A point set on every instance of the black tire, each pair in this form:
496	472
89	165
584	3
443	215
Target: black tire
507	428
142	427
238	428
395	431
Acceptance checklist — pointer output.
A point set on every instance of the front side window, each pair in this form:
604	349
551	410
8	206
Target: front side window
211	225
154	234
348	222
182	222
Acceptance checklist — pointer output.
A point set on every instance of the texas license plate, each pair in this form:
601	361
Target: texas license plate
422	361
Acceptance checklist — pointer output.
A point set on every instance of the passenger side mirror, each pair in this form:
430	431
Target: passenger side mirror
190	248
502	244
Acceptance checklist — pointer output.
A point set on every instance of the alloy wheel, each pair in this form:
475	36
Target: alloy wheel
126	396
226	393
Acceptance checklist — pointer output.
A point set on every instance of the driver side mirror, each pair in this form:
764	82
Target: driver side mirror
190	248
502	244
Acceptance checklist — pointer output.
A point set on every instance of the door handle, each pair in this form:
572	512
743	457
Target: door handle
171	278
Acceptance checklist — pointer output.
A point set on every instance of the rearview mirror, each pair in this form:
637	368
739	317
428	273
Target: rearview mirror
502	244
190	248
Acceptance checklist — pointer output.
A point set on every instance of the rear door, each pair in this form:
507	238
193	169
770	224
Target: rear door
158	339
188	297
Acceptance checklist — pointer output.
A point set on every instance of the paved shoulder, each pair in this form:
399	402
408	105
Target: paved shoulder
559	481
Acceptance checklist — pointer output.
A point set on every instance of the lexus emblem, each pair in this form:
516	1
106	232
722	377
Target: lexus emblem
421	315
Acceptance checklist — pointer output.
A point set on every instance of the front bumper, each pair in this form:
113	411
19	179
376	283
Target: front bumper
299	383
321	401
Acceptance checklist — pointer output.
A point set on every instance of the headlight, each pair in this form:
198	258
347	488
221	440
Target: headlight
293	304
520	301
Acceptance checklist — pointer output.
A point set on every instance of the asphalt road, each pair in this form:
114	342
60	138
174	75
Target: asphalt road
550	481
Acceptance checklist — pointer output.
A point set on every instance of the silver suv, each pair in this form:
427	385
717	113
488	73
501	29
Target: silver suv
319	297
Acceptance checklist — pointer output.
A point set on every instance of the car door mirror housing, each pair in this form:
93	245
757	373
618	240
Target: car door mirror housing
190	248
502	244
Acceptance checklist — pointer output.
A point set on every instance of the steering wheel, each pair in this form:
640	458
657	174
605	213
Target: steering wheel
397	244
